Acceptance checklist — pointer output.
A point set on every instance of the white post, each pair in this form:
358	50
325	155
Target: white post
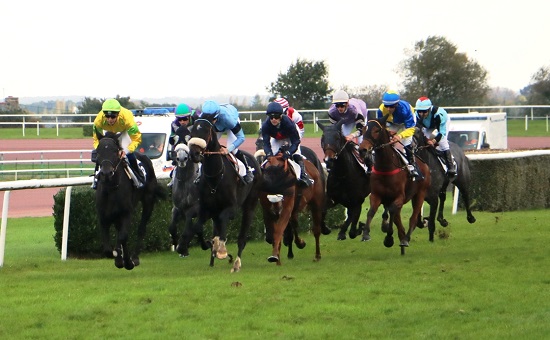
315	127
4	226
455	201
526	120
23	126
57	126
37	128
546	123
65	237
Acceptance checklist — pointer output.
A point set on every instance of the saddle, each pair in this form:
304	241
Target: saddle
360	161
441	158
238	166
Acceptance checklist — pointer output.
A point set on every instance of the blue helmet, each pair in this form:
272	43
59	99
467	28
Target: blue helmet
210	107
423	103
274	107
390	98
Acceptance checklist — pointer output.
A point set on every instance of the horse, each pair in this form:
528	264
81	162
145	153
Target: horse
282	199
437	193
184	197
116	199
347	182
390	183
311	156
222	193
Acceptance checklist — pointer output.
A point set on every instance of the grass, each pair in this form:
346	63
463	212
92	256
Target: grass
486	280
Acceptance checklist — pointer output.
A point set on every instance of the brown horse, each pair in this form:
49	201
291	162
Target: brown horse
282	199
390	183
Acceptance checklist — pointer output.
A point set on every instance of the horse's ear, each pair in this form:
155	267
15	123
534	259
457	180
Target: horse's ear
383	120
339	124
321	126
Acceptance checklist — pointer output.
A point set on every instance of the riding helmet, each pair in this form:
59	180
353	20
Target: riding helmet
111	105
183	110
274	107
340	96
390	98
423	103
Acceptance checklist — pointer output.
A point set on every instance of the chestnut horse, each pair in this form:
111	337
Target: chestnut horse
282	199
390	183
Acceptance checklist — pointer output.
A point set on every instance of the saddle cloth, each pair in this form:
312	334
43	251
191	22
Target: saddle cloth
239	166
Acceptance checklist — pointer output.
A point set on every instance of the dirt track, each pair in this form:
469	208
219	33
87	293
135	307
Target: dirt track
39	202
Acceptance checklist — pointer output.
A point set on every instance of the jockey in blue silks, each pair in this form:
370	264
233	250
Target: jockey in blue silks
225	118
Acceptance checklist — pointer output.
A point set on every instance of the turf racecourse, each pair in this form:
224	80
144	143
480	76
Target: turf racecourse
488	280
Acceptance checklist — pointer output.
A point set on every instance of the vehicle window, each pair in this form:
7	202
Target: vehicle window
152	144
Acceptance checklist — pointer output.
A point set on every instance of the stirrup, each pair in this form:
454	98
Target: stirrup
248	177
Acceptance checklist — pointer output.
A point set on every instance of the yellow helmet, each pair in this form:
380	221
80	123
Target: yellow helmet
111	105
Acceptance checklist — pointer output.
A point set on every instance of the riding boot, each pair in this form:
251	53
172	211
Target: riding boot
304	180
451	167
248	177
171	179
132	161
413	172
96	173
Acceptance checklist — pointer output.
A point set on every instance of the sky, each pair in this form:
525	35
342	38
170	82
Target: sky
207	48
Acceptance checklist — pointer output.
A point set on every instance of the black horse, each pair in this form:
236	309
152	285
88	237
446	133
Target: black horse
348	184
222	193
184	196
117	197
437	193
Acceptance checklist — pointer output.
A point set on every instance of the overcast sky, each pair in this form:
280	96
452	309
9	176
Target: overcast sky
204	48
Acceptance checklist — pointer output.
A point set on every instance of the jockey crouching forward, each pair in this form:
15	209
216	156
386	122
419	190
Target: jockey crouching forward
434	123
279	129
225	118
402	122
115	118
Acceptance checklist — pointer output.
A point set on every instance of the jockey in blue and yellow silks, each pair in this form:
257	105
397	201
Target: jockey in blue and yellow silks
402	121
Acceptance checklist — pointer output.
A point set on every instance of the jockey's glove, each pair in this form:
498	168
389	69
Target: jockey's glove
286	155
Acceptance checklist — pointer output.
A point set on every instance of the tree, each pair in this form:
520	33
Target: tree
305	84
538	91
372	94
435	69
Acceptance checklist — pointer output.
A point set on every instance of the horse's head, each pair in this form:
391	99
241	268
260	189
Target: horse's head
374	134
332	142
277	178
203	137
182	155
109	155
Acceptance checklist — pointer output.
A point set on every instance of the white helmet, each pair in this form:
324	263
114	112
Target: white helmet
340	96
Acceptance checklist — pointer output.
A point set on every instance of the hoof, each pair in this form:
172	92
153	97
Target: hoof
129	265
325	230
443	222
388	241
341	236
365	238
273	259
404	244
471	219
353	235
301	245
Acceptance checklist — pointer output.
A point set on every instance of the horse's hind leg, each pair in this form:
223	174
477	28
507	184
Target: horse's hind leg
354	213
173	227
466	199
442	198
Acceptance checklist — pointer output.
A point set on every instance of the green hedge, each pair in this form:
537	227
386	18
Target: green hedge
510	184
250	128
87	131
84	234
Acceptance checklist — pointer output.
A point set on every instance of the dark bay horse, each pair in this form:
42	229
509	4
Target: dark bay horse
184	197
222	193
282	199
437	193
390	183
117	197
347	182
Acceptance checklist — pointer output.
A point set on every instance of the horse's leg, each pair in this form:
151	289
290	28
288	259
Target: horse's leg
105	227
417	201
431	219
124	259
279	228
248	209
354	212
344	226
463	189
374	204
288	238
189	232
442	198
173	227
388	240
317	216
385	221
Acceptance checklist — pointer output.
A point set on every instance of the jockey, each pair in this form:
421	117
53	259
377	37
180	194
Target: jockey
434	122
352	111
292	114
402	122
279	129
179	130
225	117
115	118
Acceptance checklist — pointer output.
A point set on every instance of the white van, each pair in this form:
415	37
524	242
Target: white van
155	132
475	131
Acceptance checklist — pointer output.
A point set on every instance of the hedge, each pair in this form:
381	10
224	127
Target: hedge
508	184
84	234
